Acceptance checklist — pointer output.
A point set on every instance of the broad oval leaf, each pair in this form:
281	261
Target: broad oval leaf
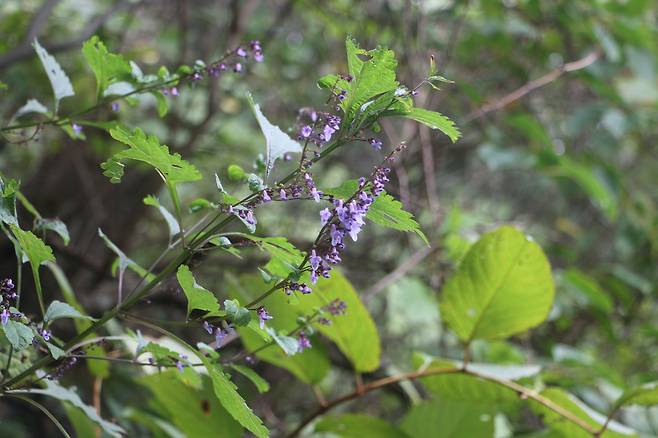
502	287
59	310
198	298
18	334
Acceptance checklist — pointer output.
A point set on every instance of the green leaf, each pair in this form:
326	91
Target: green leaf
237	314
277	142
113	169
502	287
58	80
232	401
195	412
19	335
354	63
440	418
288	344
8	194
385	210
59	310
572	404
358	426
148	149
198	298
36	251
370	78
106	66
55	390
435	121
172	223
31	106
161	103
284	256
55	351
56	226
644	395
260	383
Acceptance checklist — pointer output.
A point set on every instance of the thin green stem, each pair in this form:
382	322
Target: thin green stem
43	409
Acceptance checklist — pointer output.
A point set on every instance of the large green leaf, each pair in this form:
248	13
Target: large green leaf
358	426
195	412
502	287
385	210
579	409
106	66
198	298
284	256
36	251
448	419
18	334
59	310
148	149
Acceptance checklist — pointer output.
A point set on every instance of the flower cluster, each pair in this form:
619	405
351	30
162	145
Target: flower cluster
217	68
8	296
66	364
303	342
346	218
263	316
294	286
317	127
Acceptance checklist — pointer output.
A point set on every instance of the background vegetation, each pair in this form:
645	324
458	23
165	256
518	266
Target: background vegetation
557	103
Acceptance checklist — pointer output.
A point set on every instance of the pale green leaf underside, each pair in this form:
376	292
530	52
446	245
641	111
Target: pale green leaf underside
502	287
198	298
58	79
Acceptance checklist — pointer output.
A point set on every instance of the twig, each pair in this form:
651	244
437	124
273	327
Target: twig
533	85
524	392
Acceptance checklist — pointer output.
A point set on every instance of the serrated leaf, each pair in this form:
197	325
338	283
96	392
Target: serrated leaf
55	225
172	223
59	310
113	169
358	426
232	401
195	412
36	251
277	142
261	384
107	67
19	335
58	80
448	419
284	256
385	210
434	120
55	390
198	298
502	287
148	149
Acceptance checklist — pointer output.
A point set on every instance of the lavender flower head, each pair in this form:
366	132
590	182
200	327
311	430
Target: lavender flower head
303	342
263	316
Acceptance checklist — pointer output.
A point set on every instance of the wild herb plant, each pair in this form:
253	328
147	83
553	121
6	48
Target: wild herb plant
503	286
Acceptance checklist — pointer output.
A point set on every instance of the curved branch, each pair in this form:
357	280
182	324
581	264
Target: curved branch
522	391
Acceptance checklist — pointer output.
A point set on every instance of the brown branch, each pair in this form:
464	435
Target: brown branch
522	391
532	86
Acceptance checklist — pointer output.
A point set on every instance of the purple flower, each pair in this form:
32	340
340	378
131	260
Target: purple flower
306	131
303	342
46	334
76	128
242	53
4	316
207	327
263	316
197	76
324	321
266	196
376	144
115	106
180	366
174	91
325	215
282	195
219	337
336	307
237	67
327	133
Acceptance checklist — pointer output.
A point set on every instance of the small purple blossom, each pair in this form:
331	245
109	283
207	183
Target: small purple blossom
282	195
4	316
325	215
303	342
219	337
207	327
45	334
263	316
266	196
336	307
180	366
375	143
242	53
174	91
115	106
306	131
237	67
76	128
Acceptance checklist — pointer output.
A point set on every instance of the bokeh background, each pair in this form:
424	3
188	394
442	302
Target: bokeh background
558	105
